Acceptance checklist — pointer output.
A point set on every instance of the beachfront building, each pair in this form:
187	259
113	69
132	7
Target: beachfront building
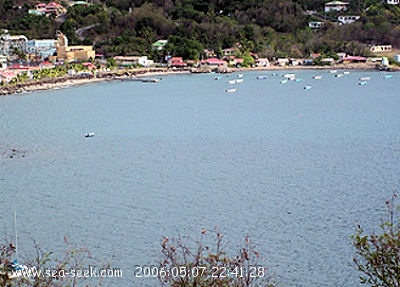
43	48
67	53
328	61
233	61
381	48
214	62
176	62
348	19
6	76
262	62
336	6
282	62
9	44
133	61
353	59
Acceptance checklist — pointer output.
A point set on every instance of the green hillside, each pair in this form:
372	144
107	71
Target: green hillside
272	28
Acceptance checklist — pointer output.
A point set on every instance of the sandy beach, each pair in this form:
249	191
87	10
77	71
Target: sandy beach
67	81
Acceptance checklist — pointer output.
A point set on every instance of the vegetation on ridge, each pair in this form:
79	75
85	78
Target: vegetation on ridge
268	27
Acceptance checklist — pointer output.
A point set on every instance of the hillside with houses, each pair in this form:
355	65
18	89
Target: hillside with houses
180	34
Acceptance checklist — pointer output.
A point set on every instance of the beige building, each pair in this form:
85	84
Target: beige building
380	48
72	53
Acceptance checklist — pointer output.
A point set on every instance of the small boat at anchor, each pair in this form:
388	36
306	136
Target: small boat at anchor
150	80
230	90
89	135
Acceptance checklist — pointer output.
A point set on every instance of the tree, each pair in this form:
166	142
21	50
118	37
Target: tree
201	265
378	255
184	47
111	63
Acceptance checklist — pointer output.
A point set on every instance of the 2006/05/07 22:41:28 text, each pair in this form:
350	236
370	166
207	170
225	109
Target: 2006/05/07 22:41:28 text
199	271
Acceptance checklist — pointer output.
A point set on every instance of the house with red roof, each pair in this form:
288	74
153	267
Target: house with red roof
18	67
214	62
89	65
354	59
176	62
52	8
7	75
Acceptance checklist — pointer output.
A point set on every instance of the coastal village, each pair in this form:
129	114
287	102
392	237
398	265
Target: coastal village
200	143
24	60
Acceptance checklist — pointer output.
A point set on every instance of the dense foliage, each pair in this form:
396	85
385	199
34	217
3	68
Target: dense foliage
206	263
378	254
269	27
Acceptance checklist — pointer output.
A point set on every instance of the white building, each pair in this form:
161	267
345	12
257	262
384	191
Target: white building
393	2
45	47
262	62
10	43
133	60
348	19
336	6
315	25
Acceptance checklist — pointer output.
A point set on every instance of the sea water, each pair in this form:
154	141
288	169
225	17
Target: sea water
297	169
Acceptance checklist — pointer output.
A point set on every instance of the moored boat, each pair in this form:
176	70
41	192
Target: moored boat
230	90
289	75
150	80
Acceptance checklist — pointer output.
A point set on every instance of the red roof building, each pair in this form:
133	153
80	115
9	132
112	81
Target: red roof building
215	62
176	62
354	59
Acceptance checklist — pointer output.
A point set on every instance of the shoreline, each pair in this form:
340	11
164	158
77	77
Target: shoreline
138	74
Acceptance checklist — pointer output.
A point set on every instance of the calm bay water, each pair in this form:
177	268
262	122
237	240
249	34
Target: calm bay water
297	169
